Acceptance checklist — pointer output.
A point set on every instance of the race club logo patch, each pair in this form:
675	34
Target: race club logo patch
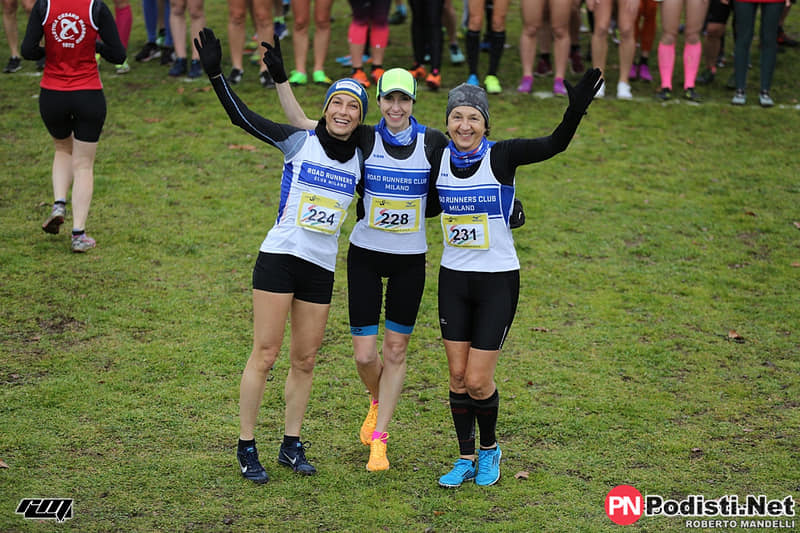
68	29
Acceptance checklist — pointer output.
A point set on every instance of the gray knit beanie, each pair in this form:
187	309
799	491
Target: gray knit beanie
468	95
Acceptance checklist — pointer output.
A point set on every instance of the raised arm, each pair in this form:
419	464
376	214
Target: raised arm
294	113
515	152
210	51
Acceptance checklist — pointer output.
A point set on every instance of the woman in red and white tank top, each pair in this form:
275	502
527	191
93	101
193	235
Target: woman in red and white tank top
71	101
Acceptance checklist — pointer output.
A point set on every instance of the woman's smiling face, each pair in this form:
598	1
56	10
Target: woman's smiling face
342	116
466	127
396	108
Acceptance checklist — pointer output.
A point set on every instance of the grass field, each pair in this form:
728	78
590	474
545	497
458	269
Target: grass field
657	341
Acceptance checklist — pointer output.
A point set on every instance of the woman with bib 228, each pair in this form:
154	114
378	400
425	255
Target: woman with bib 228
388	241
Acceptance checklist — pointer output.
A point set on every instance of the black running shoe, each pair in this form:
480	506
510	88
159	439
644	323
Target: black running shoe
664	94
691	94
14	64
167	55
236	76
295	458
266	80
250	466
149	51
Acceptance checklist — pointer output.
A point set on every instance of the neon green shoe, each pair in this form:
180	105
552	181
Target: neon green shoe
320	78
492	85
124	68
298	78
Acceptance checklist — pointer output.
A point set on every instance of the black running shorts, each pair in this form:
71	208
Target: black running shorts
283	273
405	282
477	307
81	113
718	12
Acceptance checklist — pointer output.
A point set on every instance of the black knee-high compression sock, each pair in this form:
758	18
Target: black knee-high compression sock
461	407
473	41
498	42
486	415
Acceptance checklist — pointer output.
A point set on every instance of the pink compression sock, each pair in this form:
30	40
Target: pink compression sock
379	37
124	20
666	63
691	62
380	435
357	34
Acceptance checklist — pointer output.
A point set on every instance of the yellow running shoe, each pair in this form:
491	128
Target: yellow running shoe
377	454
369	424
492	85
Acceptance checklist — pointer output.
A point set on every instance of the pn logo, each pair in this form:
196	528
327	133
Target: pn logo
58	509
624	505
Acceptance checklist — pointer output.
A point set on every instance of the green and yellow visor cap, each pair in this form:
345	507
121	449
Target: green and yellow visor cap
397	79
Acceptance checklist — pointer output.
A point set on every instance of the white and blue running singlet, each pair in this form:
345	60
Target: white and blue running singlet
315	193
395	195
475	213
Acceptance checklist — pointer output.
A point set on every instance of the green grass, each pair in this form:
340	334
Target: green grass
662	228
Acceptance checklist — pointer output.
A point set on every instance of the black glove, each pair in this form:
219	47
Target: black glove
210	52
274	61
582	94
517	218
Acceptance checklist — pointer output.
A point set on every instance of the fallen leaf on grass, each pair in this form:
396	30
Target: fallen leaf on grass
795	264
696	453
521	475
750	213
735	337
247	147
181	90
3	464
796	224
152	120
438	513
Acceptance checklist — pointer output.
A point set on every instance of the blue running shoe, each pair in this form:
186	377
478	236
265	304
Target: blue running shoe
488	466
195	69
281	30
178	67
456	55
295	458
251	467
463	470
473	80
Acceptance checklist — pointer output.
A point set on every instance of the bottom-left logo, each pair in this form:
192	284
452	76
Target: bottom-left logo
58	509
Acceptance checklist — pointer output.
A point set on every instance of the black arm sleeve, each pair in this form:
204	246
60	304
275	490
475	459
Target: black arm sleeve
251	122
111	48
508	155
30	48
